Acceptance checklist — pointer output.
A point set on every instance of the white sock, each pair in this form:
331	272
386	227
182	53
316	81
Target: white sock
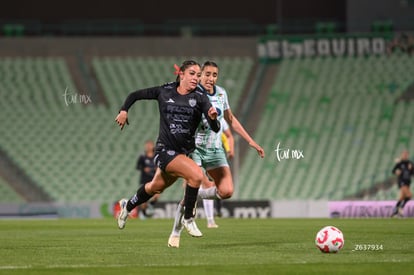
209	210
177	228
208	193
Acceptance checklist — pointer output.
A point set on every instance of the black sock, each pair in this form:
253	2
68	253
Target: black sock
153	202
190	198
398	204
404	202
140	197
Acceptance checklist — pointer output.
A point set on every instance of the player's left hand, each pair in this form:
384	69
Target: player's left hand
212	113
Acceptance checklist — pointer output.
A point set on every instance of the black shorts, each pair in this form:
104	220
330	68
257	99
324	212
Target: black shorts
163	157
402	183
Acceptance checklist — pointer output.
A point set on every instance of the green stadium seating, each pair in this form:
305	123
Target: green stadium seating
342	113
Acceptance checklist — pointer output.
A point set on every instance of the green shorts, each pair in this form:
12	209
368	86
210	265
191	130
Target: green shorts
210	158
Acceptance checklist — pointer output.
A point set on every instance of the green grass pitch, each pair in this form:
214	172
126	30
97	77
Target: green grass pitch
238	246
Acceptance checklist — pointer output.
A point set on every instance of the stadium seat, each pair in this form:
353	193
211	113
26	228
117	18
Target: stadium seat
343	113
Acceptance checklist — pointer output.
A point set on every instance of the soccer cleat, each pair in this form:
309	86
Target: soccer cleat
400	212
191	227
123	215
174	241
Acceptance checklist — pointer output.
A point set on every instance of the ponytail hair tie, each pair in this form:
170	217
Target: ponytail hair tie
177	69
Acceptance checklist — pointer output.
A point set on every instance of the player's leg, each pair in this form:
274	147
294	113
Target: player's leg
223	181
158	184
397	209
208	204
174	238
223	189
218	169
184	167
221	186
406	196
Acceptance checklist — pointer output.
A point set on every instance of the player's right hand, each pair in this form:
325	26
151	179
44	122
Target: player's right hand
212	113
258	148
122	118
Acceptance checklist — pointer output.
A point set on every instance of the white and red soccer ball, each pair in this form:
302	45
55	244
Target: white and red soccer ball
329	239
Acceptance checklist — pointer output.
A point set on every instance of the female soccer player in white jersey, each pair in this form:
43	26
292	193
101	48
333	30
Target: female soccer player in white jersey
209	152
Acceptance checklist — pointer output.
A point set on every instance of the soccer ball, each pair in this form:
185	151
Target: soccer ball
329	239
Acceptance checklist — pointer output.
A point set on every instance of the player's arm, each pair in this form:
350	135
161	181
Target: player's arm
150	93
238	128
212	119
210	114
396	170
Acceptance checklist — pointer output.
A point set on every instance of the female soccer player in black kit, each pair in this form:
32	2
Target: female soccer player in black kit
181	105
404	170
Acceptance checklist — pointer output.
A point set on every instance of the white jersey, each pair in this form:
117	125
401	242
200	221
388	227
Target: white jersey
205	137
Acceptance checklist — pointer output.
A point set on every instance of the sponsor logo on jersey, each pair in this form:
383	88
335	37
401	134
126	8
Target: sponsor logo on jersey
219	112
170	101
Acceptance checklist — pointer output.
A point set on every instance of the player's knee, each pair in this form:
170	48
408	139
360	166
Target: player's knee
195	179
225	193
154	187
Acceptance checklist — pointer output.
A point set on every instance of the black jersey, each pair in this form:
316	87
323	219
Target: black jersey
179	115
407	170
146	163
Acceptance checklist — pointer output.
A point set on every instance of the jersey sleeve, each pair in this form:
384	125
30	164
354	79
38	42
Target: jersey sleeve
224	124
205	106
149	93
226	104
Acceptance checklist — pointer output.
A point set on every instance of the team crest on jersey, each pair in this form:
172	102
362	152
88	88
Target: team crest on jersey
192	102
